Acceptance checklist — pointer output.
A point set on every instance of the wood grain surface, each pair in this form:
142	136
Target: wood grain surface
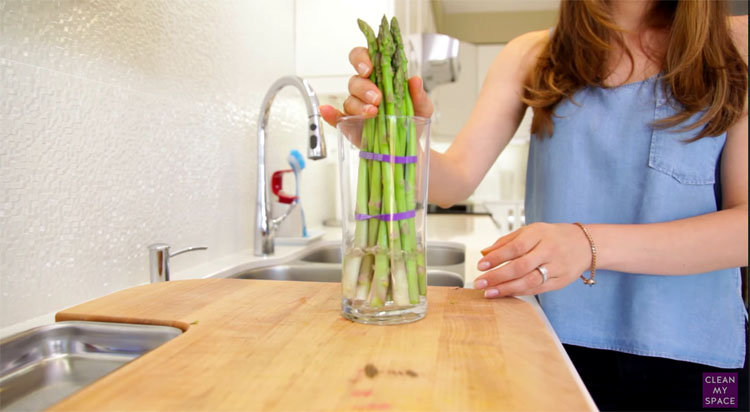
270	345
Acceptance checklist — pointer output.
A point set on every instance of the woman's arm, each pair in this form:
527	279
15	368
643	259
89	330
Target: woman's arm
687	246
494	120
496	115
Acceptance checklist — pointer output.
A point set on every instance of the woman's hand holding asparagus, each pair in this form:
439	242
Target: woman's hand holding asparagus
365	97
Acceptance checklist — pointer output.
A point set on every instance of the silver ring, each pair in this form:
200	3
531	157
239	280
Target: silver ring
544	272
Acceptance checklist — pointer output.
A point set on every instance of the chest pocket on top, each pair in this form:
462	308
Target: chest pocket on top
692	163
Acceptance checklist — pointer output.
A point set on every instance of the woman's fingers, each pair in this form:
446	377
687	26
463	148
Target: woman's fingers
359	57
360	86
422	103
354	106
511	271
363	100
552	283
330	114
528	284
516	247
514	287
502	241
364	90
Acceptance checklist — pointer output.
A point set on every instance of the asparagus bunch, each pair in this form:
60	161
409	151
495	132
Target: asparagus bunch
385	262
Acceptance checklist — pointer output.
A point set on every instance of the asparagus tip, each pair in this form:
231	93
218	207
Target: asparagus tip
395	28
363	26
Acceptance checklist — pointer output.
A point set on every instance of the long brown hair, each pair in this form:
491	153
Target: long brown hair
701	66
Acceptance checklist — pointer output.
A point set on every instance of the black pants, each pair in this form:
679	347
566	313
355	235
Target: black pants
622	382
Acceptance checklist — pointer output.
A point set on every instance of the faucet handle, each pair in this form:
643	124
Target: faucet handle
275	222
159	260
277	189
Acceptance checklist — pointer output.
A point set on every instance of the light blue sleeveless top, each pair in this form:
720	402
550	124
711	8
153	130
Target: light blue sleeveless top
605	164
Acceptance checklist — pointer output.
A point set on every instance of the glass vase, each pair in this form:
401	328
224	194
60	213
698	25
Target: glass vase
383	166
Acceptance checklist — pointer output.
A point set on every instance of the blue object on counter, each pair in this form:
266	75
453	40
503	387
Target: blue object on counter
297	162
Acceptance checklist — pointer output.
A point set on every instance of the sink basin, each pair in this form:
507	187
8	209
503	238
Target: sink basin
294	272
42	366
332	273
435	255
322	263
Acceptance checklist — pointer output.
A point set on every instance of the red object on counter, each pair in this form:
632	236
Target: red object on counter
276	187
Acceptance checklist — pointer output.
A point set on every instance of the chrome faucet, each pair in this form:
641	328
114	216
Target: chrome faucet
159	260
265	224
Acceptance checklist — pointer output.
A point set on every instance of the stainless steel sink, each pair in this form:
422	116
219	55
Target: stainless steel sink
42	366
292	272
331	273
322	263
435	255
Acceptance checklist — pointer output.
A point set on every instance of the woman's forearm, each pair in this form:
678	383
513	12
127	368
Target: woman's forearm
448	182
687	246
496	116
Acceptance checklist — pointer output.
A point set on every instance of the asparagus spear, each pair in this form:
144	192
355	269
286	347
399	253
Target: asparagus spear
373	169
411	168
411	173
408	239
366	268
381	284
388	145
352	261
378	293
380	279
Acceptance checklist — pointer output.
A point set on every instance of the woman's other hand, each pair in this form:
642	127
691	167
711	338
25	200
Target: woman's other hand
364	96
511	262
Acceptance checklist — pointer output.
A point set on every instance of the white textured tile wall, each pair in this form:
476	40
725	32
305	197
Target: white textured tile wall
126	122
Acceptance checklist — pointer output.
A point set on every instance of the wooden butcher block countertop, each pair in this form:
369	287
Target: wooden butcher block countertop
272	345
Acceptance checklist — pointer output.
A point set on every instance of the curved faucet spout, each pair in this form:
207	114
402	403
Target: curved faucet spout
265	225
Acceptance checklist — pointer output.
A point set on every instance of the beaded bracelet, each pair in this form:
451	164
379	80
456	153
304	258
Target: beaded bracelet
590	281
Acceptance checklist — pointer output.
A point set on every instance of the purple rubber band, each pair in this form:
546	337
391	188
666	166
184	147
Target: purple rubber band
388	158
388	217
